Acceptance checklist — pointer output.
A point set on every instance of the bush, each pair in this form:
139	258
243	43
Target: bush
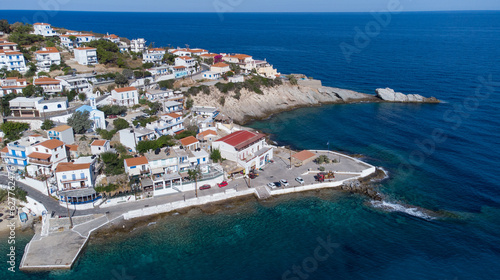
120	124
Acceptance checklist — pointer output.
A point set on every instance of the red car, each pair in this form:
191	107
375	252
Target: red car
223	184
112	116
205	187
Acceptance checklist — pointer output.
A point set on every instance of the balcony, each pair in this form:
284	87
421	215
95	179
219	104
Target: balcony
67	181
40	162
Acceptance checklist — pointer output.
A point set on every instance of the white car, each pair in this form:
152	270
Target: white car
284	183
271	185
299	180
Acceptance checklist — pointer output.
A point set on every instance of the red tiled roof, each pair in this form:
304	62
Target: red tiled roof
220	65
46	81
40	23
51	144
39	155
188	141
48	50
179	67
5	149
125	89
206	133
186	58
72	148
241	139
71	166
136	161
98	143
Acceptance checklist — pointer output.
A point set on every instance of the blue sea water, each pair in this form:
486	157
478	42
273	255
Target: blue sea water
442	157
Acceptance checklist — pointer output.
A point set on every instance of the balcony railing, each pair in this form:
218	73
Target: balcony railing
40	162
74	180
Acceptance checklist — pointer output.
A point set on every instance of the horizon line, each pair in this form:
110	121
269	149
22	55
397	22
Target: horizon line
265	12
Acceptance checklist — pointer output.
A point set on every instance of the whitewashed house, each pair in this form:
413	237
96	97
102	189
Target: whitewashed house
44	29
138	45
100	146
12	85
12	60
154	56
36	106
127	96
168	124
45	157
71	175
220	68
129	137
85	55
50	86
62	133
112	38
79	40
172	106
211	75
81	83
248	149
187	61
47	57
137	166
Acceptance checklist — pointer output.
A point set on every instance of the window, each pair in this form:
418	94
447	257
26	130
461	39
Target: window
59	106
82	175
64	177
57	156
45	107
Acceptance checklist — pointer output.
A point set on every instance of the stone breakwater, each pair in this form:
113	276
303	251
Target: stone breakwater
252	106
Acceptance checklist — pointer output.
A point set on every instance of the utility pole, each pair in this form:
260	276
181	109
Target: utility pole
69	215
290	149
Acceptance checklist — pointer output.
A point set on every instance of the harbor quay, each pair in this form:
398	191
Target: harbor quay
58	242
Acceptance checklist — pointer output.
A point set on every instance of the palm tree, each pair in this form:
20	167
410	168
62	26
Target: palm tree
195	174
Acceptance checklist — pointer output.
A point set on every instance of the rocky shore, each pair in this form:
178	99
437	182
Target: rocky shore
252	106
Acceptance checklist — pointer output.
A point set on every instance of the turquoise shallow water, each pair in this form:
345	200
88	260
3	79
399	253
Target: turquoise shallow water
442	157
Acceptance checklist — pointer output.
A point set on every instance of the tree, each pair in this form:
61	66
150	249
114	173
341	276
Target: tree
169	58
114	165
70	95
194	175
147	65
12	130
5	26
167	84
80	122
128	73
120	79
113	109
215	156
122	150
120	124
32	90
47	124
105	134
82	96
189	103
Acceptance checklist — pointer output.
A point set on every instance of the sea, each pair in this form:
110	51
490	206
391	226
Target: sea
439	157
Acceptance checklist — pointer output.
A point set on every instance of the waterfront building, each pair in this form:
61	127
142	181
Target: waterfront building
248	149
138	45
45	156
154	55
205	111
137	166
172	106
220	68
47	57
16	153
79	39
112	38
206	138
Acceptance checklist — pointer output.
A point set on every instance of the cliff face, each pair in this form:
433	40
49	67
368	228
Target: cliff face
252	106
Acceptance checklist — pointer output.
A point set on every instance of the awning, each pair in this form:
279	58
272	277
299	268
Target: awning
134	171
158	170
237	170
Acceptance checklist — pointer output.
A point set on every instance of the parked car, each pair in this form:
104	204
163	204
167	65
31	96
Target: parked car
205	187
277	184
271	185
252	176
112	116
123	114
299	180
223	184
284	183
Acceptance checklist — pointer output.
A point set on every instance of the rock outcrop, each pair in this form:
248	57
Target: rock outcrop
389	95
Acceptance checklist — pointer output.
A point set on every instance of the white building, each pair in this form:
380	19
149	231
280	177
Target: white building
70	176
12	60
187	61
78	82
45	157
79	40
50	86
220	68
154	56
190	143
8	46
158	95
211	75
168	124
97	116
127	96
248	149
12	85
238	58
16	153
44	29
62	133
112	38
99	146
138	45
137	166
172	106
205	111
36	106
129	137
47	57
86	55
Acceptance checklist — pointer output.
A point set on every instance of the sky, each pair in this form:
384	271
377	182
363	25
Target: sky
217	6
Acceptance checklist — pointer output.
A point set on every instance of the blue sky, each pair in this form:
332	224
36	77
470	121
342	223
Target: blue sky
248	5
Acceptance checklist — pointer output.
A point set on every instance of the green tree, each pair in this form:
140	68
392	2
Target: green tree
4	26
106	134
122	150
120	79
167	84
82	96
194	175
12	130
47	124
32	90
80	122
128	73
114	164
189	103
147	65
169	58
120	124
70	95
216	156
